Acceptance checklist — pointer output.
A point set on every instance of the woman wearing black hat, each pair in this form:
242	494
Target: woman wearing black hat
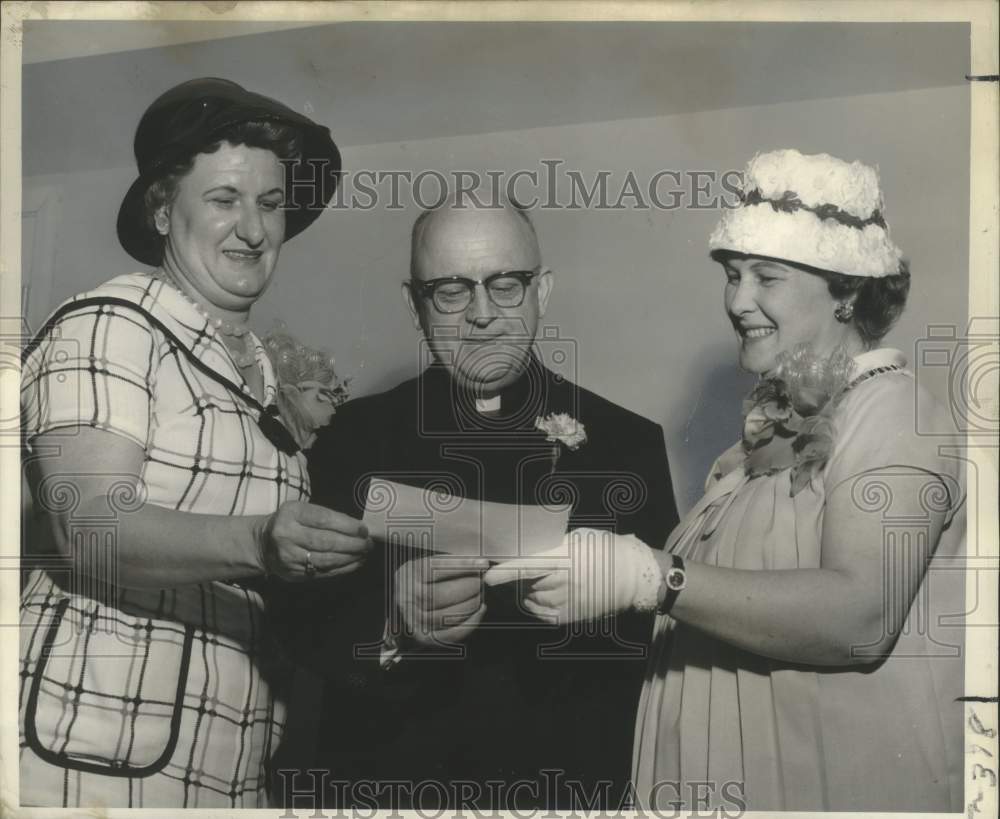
164	479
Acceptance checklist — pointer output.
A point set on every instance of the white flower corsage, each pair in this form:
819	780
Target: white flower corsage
788	418
561	430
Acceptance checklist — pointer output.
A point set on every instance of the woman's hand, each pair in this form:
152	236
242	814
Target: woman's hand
590	575
441	599
161	548
301	541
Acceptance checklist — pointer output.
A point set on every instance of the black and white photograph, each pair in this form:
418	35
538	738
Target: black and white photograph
484	409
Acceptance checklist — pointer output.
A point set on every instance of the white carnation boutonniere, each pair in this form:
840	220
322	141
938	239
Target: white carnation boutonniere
561	430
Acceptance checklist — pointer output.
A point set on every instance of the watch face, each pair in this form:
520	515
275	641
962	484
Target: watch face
676	579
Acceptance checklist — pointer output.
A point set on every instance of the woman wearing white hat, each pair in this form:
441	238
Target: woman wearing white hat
803	658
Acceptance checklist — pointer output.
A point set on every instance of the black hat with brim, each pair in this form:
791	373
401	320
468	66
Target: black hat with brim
187	119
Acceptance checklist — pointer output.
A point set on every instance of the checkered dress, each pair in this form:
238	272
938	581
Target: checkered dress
149	698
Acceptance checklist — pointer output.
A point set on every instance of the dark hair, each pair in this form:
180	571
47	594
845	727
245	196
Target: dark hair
284	141
878	303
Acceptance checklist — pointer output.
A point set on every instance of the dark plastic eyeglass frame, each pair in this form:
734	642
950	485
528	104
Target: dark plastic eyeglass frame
426	288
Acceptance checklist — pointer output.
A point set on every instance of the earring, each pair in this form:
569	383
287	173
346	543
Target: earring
844	312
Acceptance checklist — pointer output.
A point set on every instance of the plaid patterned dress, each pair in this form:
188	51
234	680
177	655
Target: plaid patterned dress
151	698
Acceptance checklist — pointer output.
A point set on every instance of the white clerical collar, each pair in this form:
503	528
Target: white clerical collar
484	405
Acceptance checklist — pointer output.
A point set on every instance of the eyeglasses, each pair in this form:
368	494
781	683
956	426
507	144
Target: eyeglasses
454	294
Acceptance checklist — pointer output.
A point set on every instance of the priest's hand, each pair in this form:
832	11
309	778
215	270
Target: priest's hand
591	574
441	598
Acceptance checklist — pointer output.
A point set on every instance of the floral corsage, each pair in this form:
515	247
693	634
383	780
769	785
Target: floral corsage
309	389
561	430
788	418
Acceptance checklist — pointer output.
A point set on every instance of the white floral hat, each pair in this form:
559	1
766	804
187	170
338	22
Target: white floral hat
815	210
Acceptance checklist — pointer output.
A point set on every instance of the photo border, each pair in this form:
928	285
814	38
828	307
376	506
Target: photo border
982	629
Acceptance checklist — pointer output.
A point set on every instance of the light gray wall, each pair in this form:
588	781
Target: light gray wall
635	291
400	81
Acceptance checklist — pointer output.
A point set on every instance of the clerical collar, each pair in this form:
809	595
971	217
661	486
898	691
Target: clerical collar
484	405
515	406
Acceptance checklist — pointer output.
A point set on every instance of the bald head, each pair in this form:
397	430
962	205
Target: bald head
486	346
472	240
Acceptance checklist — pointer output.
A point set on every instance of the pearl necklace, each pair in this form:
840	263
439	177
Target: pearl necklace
225	327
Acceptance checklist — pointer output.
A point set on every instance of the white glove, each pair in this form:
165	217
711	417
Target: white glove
590	575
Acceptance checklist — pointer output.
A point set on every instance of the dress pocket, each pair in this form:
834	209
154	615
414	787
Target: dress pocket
107	690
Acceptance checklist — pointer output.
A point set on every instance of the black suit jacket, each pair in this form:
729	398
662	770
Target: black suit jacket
518	697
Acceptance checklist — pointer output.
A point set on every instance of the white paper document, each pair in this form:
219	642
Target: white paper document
437	521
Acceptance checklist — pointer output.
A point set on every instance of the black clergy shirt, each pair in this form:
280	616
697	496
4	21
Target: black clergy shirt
519	700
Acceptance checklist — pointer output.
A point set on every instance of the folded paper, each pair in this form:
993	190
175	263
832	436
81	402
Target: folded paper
436	521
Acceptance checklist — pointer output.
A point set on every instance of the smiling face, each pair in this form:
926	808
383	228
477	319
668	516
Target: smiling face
775	306
485	347
225	226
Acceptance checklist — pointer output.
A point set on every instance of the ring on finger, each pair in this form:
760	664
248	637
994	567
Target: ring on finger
310	569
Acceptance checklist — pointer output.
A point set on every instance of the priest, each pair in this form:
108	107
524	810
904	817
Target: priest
439	691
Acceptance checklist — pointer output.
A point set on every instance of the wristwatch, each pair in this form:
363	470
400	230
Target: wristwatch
675	579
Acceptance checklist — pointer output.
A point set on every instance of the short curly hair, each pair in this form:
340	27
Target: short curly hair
284	141
878	302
